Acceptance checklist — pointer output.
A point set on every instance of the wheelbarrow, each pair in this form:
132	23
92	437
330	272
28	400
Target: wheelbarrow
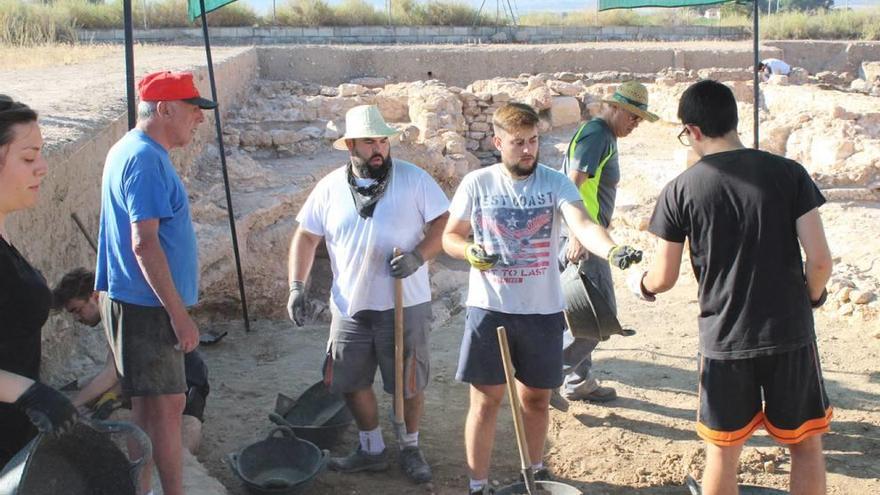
587	313
84	461
278	465
695	488
317	415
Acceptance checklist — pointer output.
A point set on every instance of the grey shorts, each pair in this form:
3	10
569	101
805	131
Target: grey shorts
142	341
359	345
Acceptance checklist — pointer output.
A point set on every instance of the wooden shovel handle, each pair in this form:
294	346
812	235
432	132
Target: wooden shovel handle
398	347
514	400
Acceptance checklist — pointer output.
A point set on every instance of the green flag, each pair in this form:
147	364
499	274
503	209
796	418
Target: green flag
634	4
195	9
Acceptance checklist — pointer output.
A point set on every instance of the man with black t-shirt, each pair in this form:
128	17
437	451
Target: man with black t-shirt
743	212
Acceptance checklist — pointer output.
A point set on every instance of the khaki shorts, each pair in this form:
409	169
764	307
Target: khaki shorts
142	340
360	345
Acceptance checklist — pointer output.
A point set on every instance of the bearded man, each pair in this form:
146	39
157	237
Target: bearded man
363	210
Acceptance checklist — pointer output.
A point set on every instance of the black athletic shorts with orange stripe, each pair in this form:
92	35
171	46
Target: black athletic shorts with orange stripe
784	393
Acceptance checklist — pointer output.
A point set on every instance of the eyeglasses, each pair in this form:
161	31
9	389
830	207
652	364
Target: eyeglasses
684	137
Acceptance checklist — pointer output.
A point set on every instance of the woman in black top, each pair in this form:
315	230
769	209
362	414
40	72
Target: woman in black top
24	297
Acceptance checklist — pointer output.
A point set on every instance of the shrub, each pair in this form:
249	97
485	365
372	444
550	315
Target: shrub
358	13
306	13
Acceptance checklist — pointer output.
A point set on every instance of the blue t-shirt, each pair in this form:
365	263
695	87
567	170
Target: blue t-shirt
140	183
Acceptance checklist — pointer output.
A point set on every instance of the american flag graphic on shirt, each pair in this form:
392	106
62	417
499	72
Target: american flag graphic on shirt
520	236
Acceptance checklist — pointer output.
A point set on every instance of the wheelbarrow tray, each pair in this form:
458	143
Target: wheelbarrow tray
84	461
317	415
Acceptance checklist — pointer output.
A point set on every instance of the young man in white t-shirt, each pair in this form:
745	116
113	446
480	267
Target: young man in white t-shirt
513	209
363	210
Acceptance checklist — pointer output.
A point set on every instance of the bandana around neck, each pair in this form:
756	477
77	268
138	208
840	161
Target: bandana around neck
366	197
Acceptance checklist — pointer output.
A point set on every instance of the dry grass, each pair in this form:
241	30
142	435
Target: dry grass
46	55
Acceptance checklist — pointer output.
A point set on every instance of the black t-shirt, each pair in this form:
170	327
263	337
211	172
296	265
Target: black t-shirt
738	210
25	300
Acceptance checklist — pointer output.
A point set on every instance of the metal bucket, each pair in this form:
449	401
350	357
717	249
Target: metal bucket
587	312
85	461
552	487
695	489
283	465
317	415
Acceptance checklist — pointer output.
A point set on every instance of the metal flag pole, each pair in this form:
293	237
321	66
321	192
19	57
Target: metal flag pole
757	75
244	310
129	62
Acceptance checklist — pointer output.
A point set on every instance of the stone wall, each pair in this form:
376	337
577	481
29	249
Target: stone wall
818	56
452	65
419	34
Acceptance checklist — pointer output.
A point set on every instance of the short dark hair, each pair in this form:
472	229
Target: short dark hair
12	112
710	106
514	116
760	66
78	283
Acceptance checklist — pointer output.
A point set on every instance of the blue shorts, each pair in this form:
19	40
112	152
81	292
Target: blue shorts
535	348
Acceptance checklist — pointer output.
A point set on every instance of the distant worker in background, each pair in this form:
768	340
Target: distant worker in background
772	66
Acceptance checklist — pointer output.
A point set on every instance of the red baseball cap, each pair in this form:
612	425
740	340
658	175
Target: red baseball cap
171	86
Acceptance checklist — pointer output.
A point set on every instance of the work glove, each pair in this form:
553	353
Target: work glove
624	256
635	285
48	409
296	303
406	264
479	259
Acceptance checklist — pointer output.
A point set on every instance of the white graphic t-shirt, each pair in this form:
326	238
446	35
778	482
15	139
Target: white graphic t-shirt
360	248
518	220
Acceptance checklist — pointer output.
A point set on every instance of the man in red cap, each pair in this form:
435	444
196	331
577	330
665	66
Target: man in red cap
147	269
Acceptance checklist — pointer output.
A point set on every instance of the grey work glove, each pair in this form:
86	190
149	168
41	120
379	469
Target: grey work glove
48	409
296	303
406	264
624	256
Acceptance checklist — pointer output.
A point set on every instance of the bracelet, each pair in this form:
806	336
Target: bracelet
821	301
645	291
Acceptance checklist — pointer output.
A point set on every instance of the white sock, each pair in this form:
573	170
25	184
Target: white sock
409	440
477	484
537	466
371	441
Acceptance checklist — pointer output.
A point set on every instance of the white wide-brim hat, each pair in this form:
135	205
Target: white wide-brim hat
364	121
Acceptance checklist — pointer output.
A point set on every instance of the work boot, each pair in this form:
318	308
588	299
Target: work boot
599	394
414	465
359	461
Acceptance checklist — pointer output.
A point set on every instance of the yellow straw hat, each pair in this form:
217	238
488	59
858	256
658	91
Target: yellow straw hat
632	96
364	121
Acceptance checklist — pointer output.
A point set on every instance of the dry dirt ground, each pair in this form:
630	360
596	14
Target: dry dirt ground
642	443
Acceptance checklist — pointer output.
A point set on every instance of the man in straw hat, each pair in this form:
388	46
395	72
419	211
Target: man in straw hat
591	163
514	210
363	210
147	268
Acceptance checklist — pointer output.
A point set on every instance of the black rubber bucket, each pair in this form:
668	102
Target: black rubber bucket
695	489
317	415
278	465
587	312
551	487
85	461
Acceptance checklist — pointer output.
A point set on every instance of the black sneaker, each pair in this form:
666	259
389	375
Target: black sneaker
542	474
486	490
414	465
359	461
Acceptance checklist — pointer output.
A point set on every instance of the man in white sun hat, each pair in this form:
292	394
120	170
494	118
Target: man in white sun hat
591	163
363	210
